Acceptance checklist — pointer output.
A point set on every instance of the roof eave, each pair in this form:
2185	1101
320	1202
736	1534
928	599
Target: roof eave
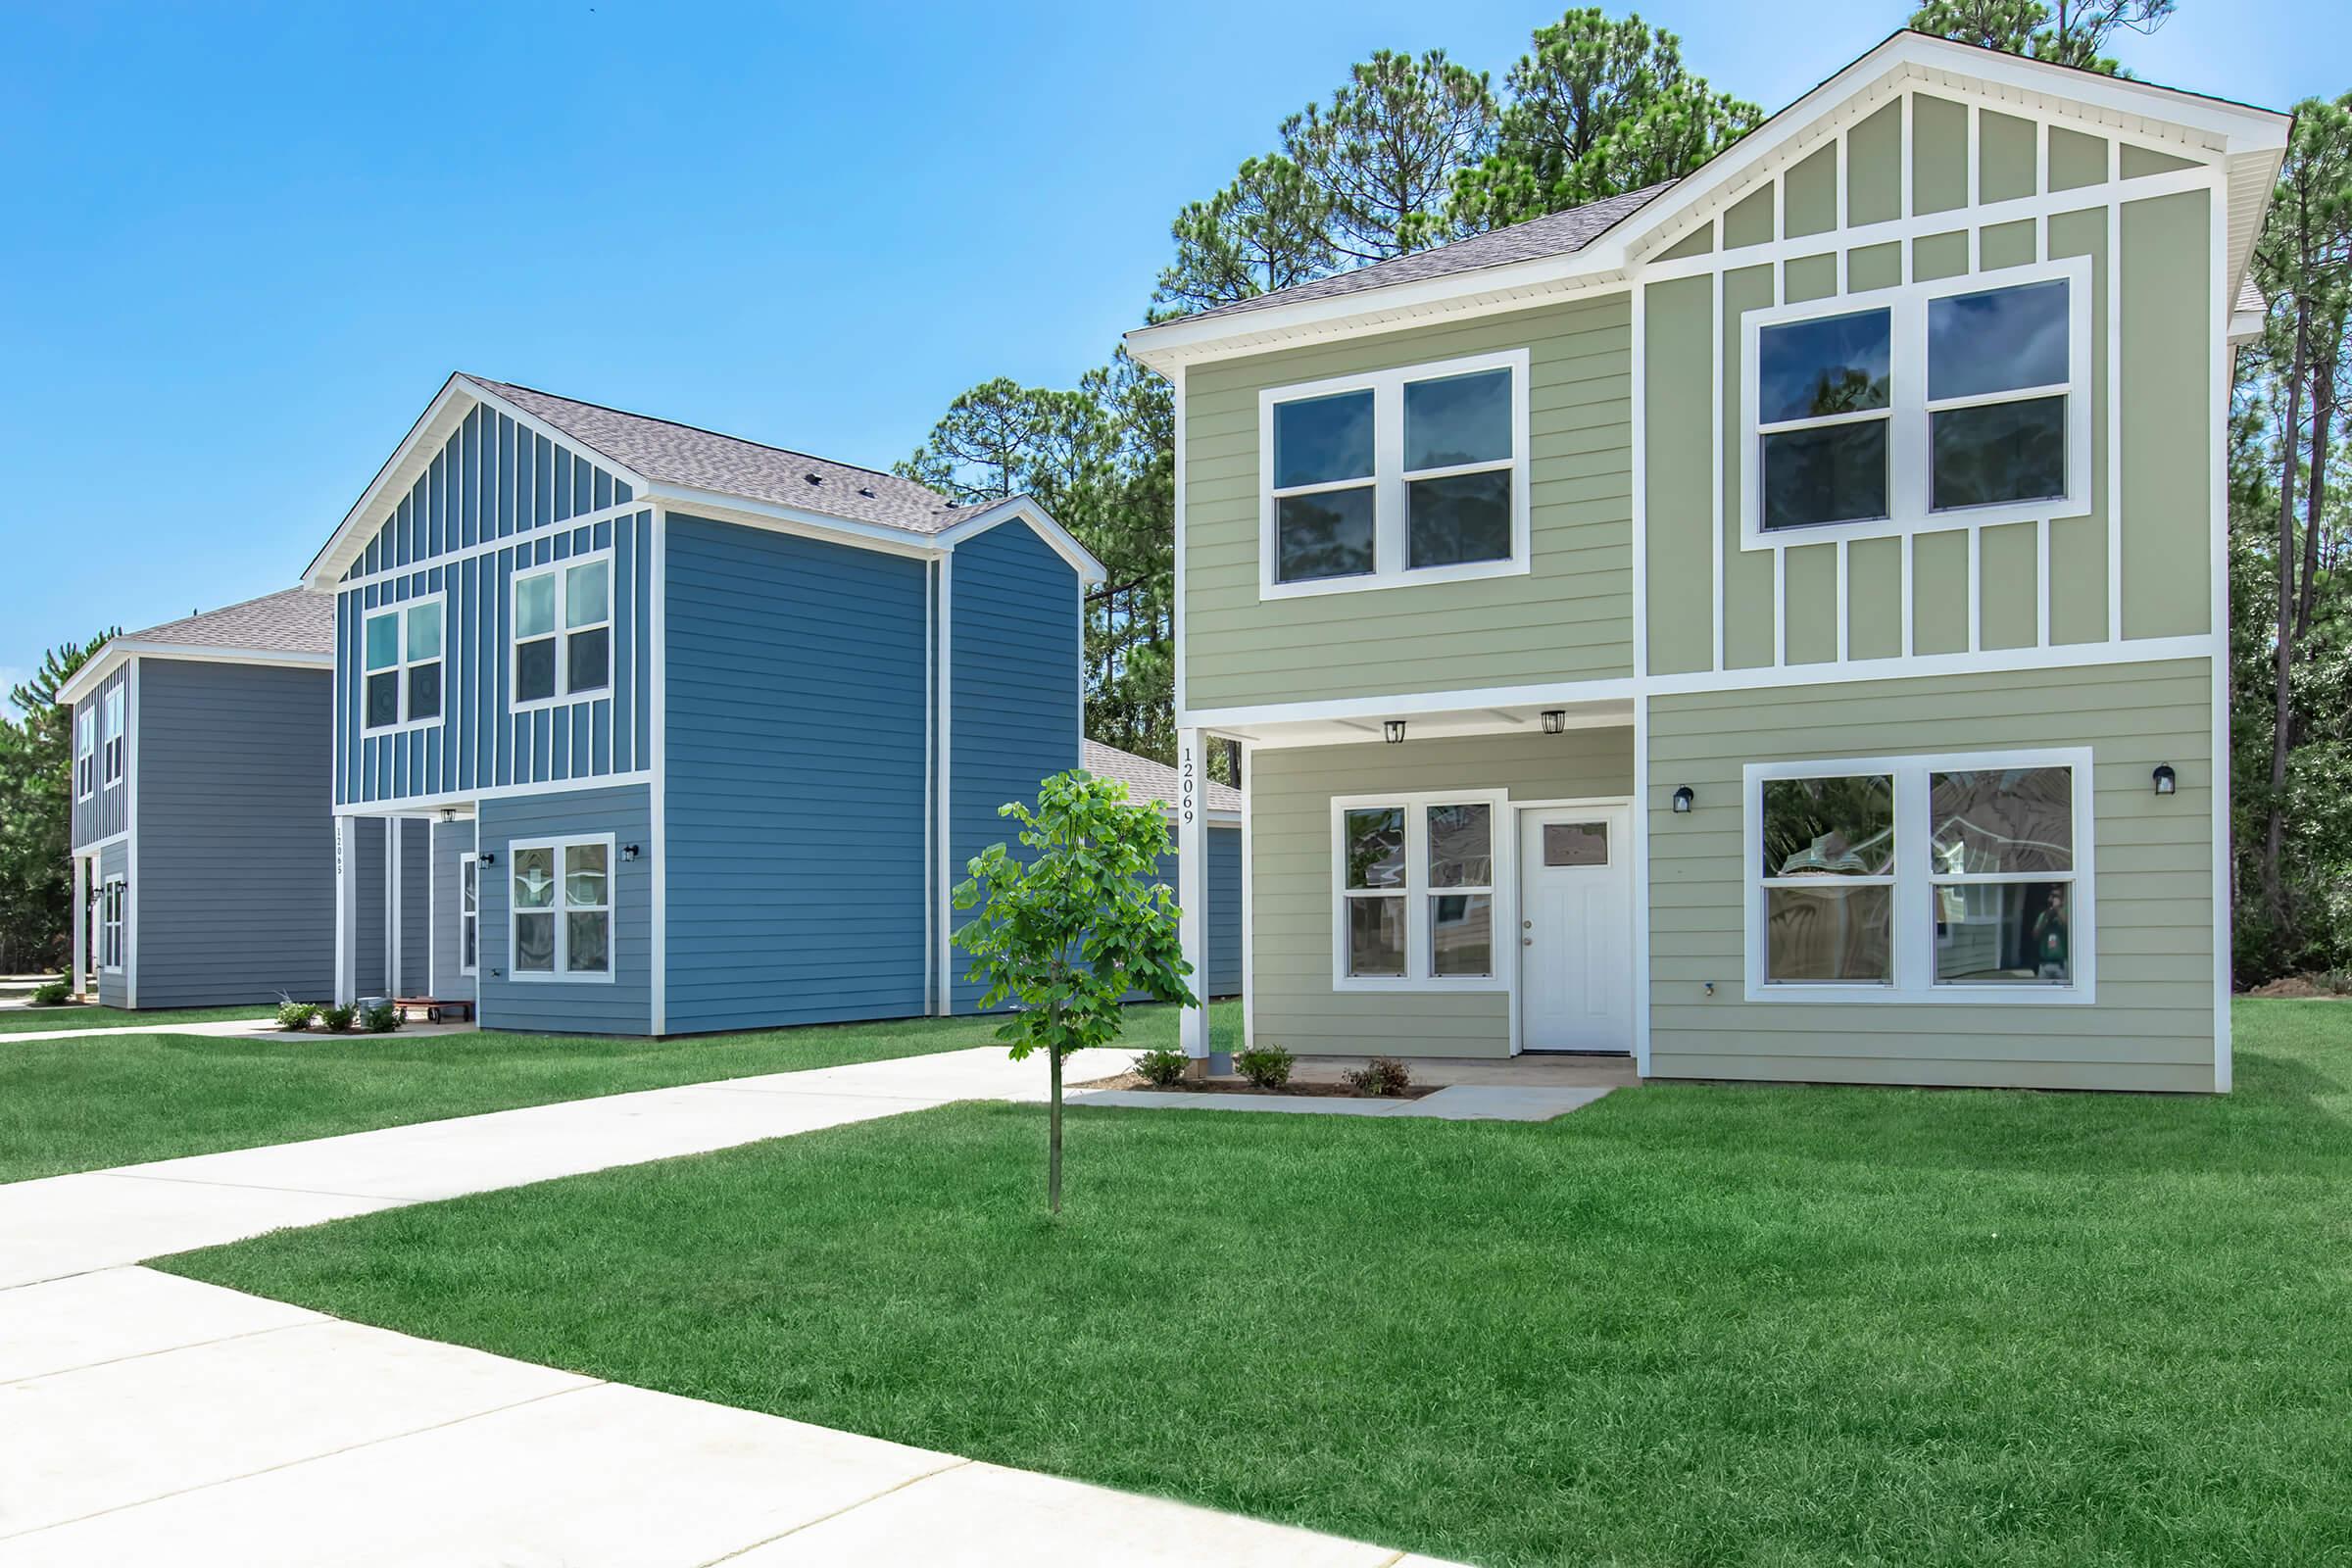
1064	543
120	651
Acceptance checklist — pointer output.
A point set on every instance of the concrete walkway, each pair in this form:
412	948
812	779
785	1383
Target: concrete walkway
147	1418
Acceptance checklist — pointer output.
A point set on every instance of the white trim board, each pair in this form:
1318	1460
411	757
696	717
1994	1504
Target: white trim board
120	651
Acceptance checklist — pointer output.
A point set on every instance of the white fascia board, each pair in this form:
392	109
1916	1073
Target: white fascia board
111	656
1081	559
120	651
720	507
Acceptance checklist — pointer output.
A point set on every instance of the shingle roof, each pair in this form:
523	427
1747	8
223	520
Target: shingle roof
293	622
1147	780
1555	234
661	451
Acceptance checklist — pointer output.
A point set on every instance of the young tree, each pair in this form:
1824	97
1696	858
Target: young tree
1068	928
37	803
1385	151
1269	230
2071	34
1600	108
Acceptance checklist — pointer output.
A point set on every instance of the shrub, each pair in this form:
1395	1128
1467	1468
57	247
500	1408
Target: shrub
51	995
337	1020
1162	1067
1381	1077
295	1015
1266	1066
380	1019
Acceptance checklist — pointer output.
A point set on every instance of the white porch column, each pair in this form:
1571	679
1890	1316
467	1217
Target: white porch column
347	911
1191	880
82	924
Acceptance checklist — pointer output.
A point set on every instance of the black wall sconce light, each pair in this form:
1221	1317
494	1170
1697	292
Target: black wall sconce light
1683	800
1555	722
486	858
2166	779
1393	732
629	852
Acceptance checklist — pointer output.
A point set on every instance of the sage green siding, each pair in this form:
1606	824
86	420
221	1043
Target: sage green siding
1569	618
1874	176
1292	1002
2151	1027
1749	221
2167	345
1747	607
1938	154
2077	160
1875	599
1869	267
2011	591
2006	145
1697	242
1809	278
1679	324
1812	195
1809	580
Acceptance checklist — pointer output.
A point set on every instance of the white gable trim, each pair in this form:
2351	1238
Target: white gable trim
120	651
1024	510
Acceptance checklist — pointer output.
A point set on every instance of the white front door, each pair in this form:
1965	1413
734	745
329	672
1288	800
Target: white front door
1576	928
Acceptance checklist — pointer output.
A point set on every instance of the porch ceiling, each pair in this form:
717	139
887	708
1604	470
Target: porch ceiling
1426	722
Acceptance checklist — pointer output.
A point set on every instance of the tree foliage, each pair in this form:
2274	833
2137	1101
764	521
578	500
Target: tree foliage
2070	33
1384	153
36	805
1598	108
1067	929
1269	230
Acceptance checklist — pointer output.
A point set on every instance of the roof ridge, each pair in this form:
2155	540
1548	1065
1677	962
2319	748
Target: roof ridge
208	614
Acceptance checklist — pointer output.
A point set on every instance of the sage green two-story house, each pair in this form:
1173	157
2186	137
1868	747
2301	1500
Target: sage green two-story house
1772	625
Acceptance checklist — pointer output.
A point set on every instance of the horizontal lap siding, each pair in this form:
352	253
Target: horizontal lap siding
1569	618
415	908
1221	975
796	783
623	1005
2152	1025
236	843
1013	692
369	836
451	841
1292	1002
113	986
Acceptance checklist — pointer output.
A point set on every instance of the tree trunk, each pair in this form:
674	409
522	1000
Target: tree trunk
2281	715
2315	485
1053	1140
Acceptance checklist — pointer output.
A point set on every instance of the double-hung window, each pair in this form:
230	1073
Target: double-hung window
401	681
85	753
1963	402
111	899
564	630
1415	892
560	909
1935	879
115	758
1417	474
470	913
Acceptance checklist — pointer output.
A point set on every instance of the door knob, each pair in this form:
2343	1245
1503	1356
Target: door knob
1527	942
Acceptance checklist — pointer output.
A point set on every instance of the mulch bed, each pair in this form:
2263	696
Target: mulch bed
1237	1086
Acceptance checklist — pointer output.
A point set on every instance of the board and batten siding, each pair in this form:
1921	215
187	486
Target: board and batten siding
2153	1024
1293	1002
236	843
622	1005
2151	273
480	741
450	842
1568	618
1014	708
107	809
797	787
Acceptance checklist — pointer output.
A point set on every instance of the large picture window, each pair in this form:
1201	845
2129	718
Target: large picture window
560	914
85	753
1965	401
1416	891
401	683
116	758
1922	879
1417	474
563	631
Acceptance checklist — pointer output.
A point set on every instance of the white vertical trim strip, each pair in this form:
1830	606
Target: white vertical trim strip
657	789
946	785
1248	901
2217	529
1640	456
432	911
2115	389
1192	881
1640	869
1176	611
1715	463
2041	583
1845	606
132	717
931	976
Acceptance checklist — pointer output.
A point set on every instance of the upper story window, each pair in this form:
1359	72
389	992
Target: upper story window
1415	881
114	760
563	630
402	656
1953	403
1400	476
85	753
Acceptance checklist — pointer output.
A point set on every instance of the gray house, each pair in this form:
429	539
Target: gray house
203	842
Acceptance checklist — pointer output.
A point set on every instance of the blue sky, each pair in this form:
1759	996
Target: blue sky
246	244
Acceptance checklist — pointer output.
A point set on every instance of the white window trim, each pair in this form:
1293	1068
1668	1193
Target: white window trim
1389	477
469	864
561	571
560	974
113	924
114	747
85	753
1416	891
401	609
1914	938
1908	474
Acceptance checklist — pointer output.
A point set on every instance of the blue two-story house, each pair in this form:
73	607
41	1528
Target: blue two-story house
659	731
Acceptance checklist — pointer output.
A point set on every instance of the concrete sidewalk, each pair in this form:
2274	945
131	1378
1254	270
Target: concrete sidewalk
145	1417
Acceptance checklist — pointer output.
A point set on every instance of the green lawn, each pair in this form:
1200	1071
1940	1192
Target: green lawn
81	1015
122	1099
1691	1325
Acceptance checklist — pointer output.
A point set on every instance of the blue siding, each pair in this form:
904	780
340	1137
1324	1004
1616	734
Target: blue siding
369	946
1222	975
1012	694
450	842
622	1006
114	985
107	809
416	906
796	739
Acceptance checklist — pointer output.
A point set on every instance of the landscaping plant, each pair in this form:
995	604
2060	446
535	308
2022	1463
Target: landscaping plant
337	1020
1068	929
1162	1068
1266	1066
1381	1077
50	994
379	1019
295	1015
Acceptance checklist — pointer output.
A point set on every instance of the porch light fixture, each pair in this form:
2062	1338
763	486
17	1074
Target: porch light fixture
1683	800
629	852
449	813
1394	730
487	857
2166	780
1555	722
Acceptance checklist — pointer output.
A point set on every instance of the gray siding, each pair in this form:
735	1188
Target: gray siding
113	986
622	1005
415	949
107	809
452	841
235	896
368	929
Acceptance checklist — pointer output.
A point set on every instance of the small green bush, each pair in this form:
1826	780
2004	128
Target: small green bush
1381	1077
295	1015
52	995
1266	1066
380	1019
337	1020
1162	1067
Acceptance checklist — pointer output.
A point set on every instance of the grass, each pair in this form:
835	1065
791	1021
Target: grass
83	1015
1690	1325
124	1098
